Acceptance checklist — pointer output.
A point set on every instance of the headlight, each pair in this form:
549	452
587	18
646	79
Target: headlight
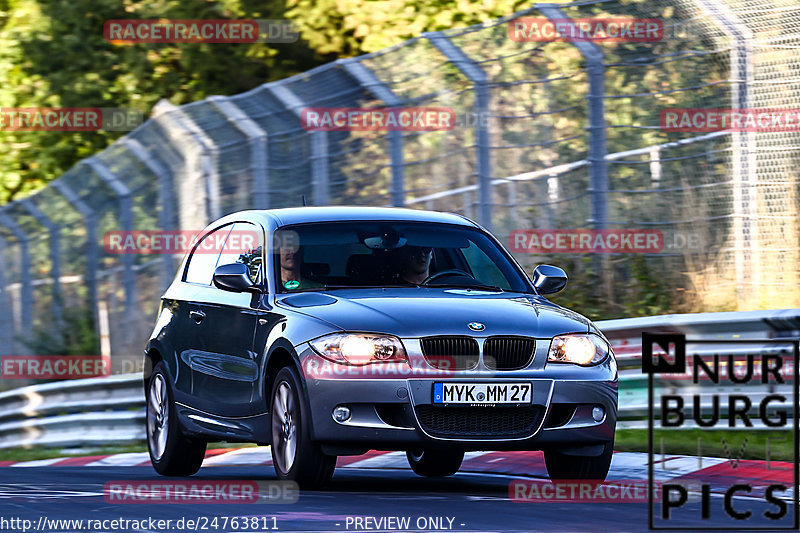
585	350
360	348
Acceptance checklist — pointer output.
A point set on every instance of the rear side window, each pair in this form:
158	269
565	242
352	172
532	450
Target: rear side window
204	256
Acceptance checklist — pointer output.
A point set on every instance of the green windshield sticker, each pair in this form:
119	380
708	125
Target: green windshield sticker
292	284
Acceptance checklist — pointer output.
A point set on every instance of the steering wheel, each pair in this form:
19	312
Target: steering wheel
452	272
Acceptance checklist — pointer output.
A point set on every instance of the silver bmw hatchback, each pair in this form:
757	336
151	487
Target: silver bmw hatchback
328	331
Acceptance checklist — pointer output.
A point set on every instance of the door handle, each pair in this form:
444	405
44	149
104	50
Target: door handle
197	316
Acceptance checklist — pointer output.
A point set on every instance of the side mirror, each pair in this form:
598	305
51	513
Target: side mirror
234	277
549	279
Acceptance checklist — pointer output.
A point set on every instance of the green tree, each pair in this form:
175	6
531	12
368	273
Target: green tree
53	54
352	27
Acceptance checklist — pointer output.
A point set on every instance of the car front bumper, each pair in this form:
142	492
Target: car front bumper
388	405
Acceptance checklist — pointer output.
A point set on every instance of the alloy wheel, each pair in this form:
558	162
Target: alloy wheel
284	428
157	416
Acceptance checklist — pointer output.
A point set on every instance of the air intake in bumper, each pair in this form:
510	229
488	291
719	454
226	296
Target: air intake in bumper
481	423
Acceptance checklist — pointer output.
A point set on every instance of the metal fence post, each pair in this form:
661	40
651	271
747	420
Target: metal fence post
90	220
6	312
55	253
205	157
478	77
165	199
126	224
23	240
320	180
367	79
598	167
259	156
655	167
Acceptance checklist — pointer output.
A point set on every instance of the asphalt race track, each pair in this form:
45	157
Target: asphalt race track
474	502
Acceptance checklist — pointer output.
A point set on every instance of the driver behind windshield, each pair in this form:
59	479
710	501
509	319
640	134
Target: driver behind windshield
414	263
291	259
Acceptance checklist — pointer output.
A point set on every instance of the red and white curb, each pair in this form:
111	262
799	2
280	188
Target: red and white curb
689	471
624	465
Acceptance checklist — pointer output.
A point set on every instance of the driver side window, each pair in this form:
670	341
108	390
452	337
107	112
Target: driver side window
244	245
204	256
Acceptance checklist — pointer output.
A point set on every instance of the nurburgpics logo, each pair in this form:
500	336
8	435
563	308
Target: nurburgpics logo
669	343
727	388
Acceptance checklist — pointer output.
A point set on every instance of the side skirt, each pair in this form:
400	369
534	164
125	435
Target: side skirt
217	428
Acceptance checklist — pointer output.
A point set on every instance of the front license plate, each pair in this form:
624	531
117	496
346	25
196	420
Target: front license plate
481	393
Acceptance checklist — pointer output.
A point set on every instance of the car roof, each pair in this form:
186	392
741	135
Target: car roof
299	215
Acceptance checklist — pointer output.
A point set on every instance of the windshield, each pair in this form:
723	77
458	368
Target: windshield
334	255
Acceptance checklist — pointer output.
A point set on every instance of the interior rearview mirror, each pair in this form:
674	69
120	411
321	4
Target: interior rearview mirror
549	279
234	277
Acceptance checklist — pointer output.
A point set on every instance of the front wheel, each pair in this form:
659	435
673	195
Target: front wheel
295	456
564	466
171	452
434	463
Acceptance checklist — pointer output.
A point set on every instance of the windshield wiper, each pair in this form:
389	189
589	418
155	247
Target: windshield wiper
365	286
409	286
477	287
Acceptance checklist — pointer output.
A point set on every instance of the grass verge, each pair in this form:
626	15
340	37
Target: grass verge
34	454
775	445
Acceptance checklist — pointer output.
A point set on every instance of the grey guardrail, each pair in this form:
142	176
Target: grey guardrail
96	411
625	334
109	411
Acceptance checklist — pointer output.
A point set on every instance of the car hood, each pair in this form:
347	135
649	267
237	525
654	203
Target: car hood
420	312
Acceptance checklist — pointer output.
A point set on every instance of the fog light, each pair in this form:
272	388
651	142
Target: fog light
341	413
598	413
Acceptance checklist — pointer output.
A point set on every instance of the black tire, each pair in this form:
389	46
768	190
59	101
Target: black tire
563	466
434	463
182	455
305	463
